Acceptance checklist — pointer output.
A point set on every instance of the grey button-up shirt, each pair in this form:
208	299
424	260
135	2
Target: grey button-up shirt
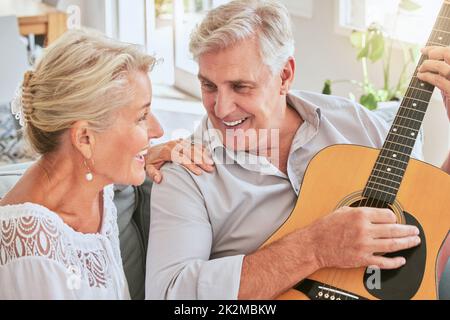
202	226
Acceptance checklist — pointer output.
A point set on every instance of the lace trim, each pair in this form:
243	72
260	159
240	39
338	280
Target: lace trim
30	231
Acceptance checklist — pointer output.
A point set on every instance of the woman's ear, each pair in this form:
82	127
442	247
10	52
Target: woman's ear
287	76
82	138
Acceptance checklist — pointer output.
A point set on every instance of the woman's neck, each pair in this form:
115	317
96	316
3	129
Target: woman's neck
58	183
66	191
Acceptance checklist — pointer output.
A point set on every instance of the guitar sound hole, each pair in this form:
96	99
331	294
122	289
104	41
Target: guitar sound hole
402	283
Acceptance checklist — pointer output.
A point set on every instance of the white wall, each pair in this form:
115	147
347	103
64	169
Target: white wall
92	12
322	54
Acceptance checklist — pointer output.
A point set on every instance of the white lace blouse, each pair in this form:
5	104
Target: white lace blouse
41	257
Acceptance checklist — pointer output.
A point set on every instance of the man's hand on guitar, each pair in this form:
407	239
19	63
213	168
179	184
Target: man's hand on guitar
436	71
355	237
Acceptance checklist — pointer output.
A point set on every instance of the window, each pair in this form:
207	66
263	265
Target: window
412	26
169	37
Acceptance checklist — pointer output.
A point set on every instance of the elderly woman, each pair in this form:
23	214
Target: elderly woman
86	111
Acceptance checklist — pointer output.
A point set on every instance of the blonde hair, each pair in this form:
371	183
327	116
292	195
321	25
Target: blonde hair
235	21
81	76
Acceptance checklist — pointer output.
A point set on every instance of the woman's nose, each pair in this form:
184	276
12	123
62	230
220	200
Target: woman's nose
154	128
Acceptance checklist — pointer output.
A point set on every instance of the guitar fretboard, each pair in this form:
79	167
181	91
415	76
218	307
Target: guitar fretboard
387	174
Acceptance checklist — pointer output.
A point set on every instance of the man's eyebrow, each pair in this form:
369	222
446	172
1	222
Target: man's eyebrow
233	82
237	82
203	78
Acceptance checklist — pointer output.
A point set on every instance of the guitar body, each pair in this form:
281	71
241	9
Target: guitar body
335	177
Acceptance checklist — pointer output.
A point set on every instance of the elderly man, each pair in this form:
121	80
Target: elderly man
206	231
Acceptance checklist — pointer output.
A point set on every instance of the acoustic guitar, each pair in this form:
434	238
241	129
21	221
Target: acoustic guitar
356	176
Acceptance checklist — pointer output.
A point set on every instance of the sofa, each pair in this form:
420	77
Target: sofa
133	209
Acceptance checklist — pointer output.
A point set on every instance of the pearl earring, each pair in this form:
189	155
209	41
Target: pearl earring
89	176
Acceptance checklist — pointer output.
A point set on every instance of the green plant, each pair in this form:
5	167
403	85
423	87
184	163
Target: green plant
373	44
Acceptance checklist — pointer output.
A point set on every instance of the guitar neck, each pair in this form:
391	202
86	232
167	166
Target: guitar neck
390	167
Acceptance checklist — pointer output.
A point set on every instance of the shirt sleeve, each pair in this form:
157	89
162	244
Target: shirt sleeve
35	278
180	241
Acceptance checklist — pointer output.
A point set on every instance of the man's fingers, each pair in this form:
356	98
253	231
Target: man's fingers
386	231
395	244
436	80
437	67
376	215
437	53
387	263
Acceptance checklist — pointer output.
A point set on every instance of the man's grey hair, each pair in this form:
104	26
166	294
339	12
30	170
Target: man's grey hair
238	20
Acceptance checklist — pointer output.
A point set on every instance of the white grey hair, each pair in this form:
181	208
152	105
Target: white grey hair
238	20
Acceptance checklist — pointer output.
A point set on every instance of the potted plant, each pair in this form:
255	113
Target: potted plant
374	44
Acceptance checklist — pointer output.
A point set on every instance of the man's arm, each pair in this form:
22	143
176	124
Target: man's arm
180	241
347	238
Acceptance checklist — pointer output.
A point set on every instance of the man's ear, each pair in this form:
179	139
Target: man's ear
82	138
287	76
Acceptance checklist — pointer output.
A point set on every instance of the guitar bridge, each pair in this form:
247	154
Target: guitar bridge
319	291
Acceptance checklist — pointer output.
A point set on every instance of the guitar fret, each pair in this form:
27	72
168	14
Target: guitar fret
393	171
399	135
416	110
396	171
382	191
374	184
386	189
373	194
417	99
443	31
399	116
443	17
390	173
394	156
393	159
436	44
394	152
399	144
399	125
427	91
411	114
379	180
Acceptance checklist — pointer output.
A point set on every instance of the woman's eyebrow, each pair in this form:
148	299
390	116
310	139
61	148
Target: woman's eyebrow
145	106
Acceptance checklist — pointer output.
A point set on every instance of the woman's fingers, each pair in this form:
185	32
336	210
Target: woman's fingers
206	162
194	157
188	164
153	173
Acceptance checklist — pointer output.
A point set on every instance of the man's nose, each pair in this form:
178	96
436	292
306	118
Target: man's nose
224	105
